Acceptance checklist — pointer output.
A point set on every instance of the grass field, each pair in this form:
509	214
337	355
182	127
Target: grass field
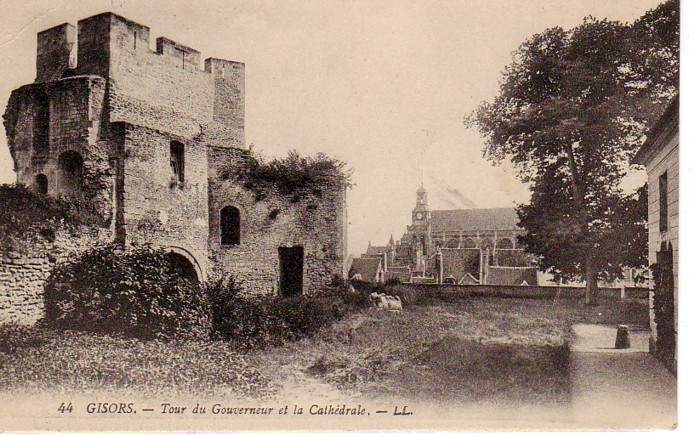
479	349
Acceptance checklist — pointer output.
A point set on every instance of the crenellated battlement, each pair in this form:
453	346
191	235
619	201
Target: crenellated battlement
89	48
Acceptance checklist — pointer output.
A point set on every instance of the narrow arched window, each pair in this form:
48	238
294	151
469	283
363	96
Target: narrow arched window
230	225
178	161
42	184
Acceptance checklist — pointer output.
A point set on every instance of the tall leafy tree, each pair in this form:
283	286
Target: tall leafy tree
572	109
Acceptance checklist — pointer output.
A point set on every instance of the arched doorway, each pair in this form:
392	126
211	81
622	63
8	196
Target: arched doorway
184	266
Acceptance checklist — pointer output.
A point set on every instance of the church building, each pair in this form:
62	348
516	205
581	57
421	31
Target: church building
464	246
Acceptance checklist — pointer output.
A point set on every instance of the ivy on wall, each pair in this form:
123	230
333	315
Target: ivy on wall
293	176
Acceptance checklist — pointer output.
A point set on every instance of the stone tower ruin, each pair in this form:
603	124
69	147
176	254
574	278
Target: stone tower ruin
142	135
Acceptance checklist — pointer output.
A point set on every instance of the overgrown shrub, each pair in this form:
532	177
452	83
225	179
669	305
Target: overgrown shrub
135	292
292	176
255	321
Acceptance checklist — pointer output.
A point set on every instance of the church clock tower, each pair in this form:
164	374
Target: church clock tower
421	214
421	230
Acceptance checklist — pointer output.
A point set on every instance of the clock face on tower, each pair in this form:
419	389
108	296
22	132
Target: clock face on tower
419	216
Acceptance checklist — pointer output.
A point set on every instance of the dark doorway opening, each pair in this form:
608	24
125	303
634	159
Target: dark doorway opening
291	270
184	267
42	184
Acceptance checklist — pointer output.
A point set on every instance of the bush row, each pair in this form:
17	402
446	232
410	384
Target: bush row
139	292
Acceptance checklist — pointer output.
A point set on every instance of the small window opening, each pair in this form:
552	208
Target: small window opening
662	190
177	161
230	226
42	184
135	41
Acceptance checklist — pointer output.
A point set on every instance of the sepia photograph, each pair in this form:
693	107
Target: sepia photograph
398	215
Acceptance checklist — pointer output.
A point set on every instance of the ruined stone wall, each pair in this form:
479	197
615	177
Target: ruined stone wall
75	109
317	223
24	270
156	209
152	87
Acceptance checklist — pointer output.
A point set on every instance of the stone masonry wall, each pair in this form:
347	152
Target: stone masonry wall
75	120
156	209
151	88
317	224
23	272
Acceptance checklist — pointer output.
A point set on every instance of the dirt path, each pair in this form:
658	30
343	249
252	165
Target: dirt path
619	389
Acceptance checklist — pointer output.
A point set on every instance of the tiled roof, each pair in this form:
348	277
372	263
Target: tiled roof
468	279
375	250
456	262
474	219
512	258
498	275
366	267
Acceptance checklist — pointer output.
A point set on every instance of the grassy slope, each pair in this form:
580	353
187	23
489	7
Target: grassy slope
81	362
481	349
484	349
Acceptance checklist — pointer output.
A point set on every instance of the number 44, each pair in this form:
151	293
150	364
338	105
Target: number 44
65	408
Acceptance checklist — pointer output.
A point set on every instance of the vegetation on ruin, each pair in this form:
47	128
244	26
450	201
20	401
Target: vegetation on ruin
132	292
252	321
572	110
27	215
138	292
293	176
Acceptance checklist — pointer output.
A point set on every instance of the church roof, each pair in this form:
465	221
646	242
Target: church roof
375	250
497	275
366	267
474	219
456	262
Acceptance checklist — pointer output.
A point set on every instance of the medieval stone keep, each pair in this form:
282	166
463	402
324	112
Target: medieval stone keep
149	139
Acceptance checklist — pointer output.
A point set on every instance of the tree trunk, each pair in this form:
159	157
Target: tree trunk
591	281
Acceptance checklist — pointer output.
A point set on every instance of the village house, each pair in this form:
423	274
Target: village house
152	141
660	155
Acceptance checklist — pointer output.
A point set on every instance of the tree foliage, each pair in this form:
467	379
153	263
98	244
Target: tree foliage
572	109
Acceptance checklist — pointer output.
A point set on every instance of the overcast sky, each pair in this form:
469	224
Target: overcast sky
382	85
